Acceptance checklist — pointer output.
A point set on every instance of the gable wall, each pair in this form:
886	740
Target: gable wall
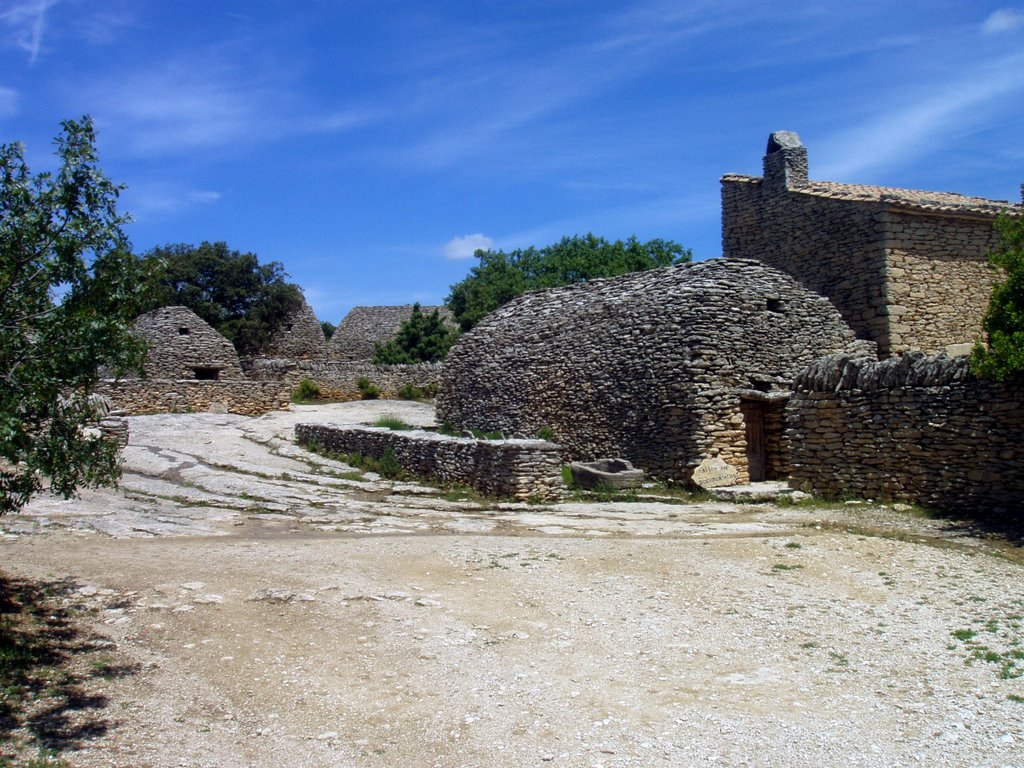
831	247
939	279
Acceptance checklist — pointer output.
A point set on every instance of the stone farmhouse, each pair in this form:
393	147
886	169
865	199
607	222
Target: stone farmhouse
364	327
666	368
907	269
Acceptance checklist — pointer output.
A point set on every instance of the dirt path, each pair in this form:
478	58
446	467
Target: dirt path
273	610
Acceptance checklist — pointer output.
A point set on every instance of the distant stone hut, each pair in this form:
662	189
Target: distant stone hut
907	269
666	368
183	346
364	327
300	337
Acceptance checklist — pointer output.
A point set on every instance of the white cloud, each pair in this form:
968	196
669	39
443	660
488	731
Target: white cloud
8	101
1003	20
465	246
27	21
149	200
921	125
203	197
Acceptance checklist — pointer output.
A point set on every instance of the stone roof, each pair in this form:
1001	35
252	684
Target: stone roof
300	337
647	366
181	344
910	199
363	327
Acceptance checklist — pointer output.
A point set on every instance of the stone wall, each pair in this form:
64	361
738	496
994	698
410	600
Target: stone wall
831	247
651	367
300	337
907	269
938	279
916	428
247	398
521	469
337	378
183	346
364	327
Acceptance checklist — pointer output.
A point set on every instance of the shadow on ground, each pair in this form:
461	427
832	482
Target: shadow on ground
50	666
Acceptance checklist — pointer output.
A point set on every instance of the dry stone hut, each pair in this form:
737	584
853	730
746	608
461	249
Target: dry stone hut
183	346
907	269
666	368
300	337
364	327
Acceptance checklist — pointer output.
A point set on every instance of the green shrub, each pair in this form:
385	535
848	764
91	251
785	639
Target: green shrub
547	433
306	391
388	466
367	388
390	421
420	339
410	392
1002	356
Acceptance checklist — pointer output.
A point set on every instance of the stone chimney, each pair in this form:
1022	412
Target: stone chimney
785	161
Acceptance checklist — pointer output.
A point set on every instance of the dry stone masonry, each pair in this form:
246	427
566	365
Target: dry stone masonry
664	368
337	378
190	367
300	337
364	327
907	269
183	346
522	469
246	398
917	428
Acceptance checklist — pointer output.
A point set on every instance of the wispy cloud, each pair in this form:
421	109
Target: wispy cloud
1003	20
203	103
27	23
465	246
8	101
151	200
903	134
477	108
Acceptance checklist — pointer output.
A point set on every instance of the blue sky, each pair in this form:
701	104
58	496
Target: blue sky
370	145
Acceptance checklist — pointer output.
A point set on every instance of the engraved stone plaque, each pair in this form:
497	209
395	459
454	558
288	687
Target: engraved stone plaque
714	473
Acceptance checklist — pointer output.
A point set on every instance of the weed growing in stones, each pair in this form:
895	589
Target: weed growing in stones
391	421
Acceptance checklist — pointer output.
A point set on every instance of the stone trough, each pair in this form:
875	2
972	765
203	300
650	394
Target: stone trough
607	473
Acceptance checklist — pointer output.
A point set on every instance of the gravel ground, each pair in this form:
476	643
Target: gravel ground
267	608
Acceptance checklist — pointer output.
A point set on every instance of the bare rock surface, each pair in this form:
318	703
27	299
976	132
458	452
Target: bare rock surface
277	608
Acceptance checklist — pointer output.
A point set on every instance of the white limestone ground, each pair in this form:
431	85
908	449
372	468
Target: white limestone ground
281	613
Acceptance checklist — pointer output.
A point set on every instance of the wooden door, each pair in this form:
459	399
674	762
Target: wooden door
753	420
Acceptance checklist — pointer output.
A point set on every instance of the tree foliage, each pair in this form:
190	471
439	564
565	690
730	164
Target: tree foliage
500	276
1003	355
69	289
422	338
328	328
242	299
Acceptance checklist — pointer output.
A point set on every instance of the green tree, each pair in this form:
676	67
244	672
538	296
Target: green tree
1003	355
500	276
69	289
328	328
242	299
420	339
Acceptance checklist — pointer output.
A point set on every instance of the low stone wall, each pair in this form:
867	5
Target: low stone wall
916	428
337	378
522	469
247	398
